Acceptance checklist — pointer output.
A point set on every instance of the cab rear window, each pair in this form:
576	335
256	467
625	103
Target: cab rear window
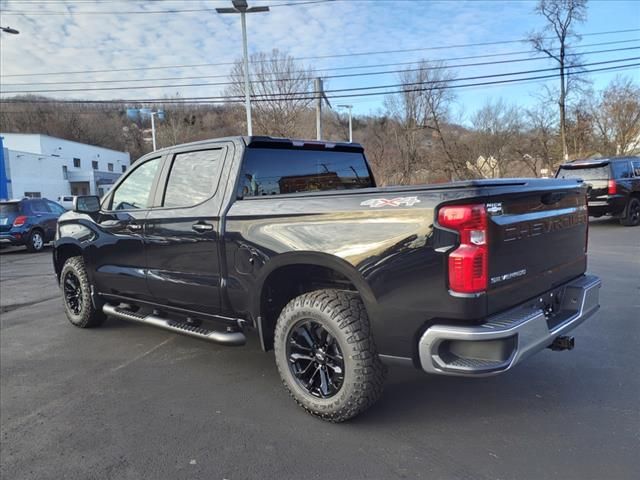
270	171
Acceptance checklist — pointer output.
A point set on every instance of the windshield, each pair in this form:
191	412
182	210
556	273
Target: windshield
269	171
600	172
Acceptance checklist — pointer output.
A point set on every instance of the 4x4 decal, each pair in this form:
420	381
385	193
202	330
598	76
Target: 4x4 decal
390	202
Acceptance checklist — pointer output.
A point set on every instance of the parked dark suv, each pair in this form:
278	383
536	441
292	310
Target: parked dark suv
30	222
614	186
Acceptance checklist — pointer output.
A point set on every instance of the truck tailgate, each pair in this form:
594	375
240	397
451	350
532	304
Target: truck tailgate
537	241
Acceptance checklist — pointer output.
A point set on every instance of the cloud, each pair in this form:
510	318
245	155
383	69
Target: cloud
76	41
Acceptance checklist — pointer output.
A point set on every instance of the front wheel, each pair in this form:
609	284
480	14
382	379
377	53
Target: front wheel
632	217
76	291
326	355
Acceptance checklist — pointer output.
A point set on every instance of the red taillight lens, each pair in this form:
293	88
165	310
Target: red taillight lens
468	263
19	221
612	187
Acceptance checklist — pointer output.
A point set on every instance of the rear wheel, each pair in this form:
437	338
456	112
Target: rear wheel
76	292
326	355
632	217
35	242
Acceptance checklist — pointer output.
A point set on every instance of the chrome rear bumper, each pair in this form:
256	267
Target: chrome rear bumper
507	338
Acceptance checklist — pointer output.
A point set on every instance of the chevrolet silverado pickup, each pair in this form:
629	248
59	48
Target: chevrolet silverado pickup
293	241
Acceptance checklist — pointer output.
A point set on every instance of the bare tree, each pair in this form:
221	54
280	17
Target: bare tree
560	16
421	112
283	89
496	135
616	115
541	144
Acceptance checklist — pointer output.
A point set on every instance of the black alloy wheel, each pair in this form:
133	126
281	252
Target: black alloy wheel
632	217
73	293
315	359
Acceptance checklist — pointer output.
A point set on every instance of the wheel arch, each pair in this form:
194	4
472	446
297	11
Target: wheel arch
63	250
292	274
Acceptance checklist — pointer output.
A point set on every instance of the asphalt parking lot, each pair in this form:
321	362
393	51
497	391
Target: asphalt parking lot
130	402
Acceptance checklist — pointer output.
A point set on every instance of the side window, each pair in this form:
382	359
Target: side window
621	169
636	168
134	191
39	206
55	208
193	177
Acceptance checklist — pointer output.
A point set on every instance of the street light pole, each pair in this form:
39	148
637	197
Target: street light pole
241	7
350	107
245	53
153	130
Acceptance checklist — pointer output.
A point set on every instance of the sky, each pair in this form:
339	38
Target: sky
58	37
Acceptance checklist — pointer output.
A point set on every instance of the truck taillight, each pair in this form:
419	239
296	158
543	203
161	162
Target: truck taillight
467	263
19	221
612	188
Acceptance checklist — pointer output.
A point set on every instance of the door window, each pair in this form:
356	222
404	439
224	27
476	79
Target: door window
636	168
193	178
39	206
55	208
134	191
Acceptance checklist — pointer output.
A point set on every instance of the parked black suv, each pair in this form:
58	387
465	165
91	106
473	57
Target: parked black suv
614	186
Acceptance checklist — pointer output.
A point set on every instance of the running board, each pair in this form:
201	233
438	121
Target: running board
231	338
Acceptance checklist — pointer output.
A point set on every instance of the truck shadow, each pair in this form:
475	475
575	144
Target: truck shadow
415	396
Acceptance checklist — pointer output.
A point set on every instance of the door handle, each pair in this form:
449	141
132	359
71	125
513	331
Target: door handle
202	227
134	227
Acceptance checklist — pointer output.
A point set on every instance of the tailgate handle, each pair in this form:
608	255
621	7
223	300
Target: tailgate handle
552	197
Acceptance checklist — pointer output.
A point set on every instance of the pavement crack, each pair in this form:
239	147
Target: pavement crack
16	306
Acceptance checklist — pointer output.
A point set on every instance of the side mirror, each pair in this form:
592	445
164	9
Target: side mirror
86	204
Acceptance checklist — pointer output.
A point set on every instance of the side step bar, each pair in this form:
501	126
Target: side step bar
231	338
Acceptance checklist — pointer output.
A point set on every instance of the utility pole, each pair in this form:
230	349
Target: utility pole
241	7
153	130
350	107
320	96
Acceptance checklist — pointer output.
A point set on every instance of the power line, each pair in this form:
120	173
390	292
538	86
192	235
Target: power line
308	96
347	75
525	72
137	12
379	52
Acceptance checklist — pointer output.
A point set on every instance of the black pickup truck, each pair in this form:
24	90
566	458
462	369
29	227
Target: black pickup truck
293	240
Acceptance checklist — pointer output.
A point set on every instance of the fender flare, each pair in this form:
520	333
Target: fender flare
308	258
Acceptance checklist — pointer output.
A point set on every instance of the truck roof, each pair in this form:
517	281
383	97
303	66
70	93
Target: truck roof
257	141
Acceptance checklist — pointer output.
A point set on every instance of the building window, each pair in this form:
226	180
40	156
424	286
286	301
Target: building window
110	167
94	164
76	162
65	172
124	168
33	194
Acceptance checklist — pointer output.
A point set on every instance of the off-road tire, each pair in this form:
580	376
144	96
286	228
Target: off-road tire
87	316
32	244
343	314
632	213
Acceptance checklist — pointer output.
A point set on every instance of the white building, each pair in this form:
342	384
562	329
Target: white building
42	166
